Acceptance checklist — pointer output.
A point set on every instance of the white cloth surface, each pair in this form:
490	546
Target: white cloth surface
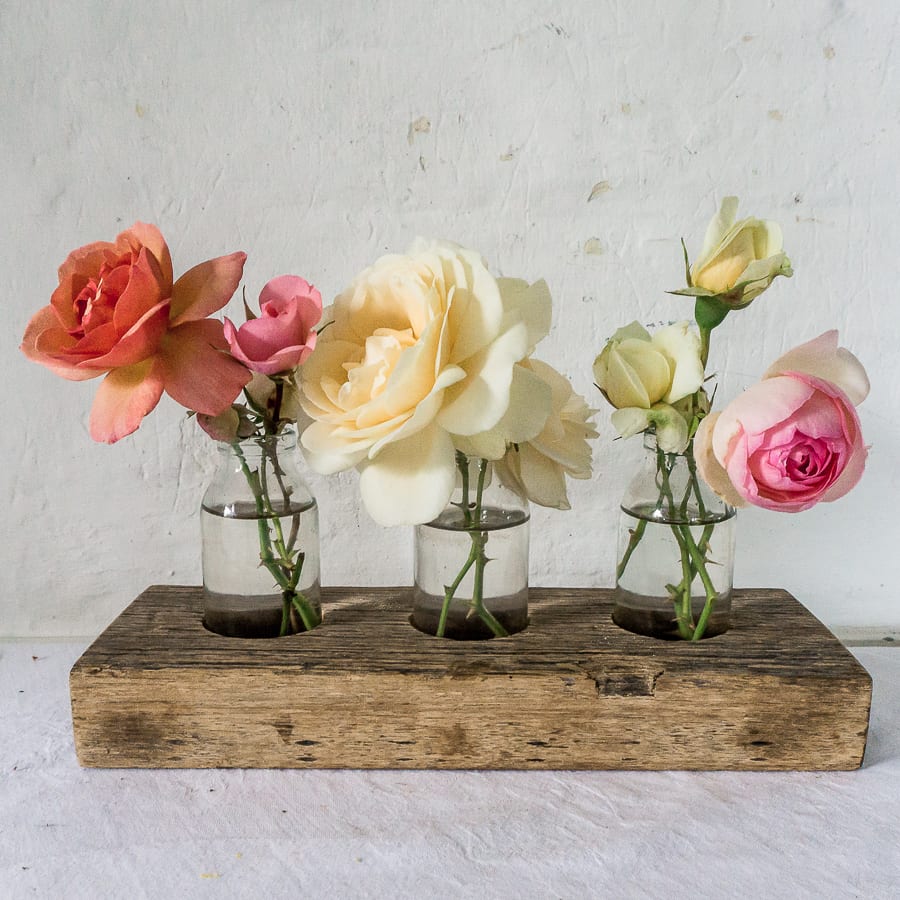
68	832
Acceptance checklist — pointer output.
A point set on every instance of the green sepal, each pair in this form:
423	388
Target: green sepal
709	312
687	265
693	292
247	311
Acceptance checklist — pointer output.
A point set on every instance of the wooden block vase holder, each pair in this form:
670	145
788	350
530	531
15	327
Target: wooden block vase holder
366	690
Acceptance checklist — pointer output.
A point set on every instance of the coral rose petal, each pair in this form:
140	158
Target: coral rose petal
124	397
206	288
710	469
139	343
145	290
197	369
79	267
410	481
149	236
43	338
823	358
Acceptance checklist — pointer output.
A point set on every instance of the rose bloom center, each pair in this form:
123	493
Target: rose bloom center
96	301
368	377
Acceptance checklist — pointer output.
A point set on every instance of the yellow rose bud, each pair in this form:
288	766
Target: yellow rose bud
739	260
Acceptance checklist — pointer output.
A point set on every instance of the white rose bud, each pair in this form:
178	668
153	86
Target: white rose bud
637	370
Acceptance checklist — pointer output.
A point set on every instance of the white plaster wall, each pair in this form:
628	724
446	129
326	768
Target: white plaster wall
284	129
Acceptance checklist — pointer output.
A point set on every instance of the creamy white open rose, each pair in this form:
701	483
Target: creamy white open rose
421	350
739	260
537	468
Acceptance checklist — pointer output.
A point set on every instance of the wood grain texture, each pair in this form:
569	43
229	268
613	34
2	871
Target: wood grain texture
366	690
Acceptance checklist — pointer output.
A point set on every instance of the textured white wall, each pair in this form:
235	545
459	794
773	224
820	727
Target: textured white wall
286	129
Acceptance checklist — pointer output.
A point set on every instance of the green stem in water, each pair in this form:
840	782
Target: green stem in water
477	556
633	540
285	572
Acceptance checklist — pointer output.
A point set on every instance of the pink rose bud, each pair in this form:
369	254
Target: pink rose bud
283	336
793	439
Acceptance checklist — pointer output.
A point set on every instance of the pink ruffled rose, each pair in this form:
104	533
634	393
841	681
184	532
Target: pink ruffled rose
282	337
793	439
117	312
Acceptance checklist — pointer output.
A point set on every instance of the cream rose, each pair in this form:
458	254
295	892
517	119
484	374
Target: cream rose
637	369
739	260
538	467
643	375
420	350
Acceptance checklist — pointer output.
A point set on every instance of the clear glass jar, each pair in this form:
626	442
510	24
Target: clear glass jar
471	562
260	536
675	551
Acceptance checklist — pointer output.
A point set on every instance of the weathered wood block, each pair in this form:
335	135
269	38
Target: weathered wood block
366	690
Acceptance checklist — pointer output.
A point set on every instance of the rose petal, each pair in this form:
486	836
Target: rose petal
479	401
411	481
630	420
142	234
710	469
533	302
544	479
144	291
206	288
326	454
475	309
530	401
44	329
124	397
140	342
292	287
720	224
197	369
823	358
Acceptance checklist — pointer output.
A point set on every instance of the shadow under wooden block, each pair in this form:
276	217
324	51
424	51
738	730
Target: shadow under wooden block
366	690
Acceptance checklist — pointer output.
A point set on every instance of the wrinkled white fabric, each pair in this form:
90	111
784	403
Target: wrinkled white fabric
95	834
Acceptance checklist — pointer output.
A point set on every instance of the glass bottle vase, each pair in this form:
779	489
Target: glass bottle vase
260	538
471	562
675	551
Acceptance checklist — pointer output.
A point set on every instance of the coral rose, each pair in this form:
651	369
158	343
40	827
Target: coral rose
422	349
793	439
116	311
282	337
